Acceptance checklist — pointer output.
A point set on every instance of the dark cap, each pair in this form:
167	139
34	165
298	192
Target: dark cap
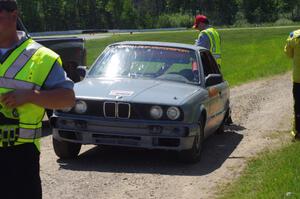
8	5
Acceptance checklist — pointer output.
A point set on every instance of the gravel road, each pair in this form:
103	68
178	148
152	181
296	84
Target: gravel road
262	112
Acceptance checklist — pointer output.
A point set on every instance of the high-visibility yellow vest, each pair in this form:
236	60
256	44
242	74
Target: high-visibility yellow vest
292	50
27	67
215	43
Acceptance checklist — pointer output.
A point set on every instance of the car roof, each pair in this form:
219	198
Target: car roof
163	44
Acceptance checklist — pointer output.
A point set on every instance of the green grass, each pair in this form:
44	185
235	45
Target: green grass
247	54
253	54
273	175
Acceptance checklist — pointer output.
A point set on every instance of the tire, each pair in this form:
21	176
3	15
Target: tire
220	130
193	155
228	117
66	150
225	121
229	121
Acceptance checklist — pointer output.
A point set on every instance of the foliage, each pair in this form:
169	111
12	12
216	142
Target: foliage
174	20
283	22
48	15
257	11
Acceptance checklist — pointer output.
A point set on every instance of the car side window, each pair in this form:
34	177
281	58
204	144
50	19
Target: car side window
210	66
213	64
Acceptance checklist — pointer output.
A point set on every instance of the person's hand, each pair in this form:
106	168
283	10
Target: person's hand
16	98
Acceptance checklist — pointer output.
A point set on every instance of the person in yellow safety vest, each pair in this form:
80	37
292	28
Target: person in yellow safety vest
31	79
208	38
292	50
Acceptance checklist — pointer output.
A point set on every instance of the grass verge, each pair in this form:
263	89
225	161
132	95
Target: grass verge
273	174
248	54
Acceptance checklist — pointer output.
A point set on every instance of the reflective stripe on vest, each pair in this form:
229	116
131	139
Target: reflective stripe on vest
217	56
21	61
22	133
13	136
30	133
213	46
17	84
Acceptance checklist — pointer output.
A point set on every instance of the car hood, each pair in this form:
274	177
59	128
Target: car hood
135	90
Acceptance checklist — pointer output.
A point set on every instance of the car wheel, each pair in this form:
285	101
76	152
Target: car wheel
228	117
193	155
66	150
221	130
227	120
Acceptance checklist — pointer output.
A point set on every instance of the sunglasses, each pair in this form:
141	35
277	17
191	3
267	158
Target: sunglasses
8	6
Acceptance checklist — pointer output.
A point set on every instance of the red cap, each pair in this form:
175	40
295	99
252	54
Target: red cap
198	19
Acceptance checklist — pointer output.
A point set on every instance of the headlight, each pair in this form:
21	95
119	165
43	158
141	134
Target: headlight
156	112
80	107
173	113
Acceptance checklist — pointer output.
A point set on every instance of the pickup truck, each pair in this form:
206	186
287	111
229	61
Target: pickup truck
71	50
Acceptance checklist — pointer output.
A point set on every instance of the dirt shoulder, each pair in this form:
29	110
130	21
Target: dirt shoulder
262	111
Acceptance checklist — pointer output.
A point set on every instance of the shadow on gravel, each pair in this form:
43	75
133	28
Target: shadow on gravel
217	148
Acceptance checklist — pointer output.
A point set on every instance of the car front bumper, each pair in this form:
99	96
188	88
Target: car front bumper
132	133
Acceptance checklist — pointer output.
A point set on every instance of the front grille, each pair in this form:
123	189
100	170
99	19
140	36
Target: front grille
109	109
121	110
116	110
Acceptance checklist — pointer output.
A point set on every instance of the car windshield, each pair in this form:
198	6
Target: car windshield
155	62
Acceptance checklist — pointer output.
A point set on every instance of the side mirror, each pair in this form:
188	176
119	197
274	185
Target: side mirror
213	79
81	71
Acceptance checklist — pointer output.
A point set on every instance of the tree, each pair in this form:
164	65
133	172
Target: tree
30	13
52	14
114	8
49	15
129	15
227	10
257	11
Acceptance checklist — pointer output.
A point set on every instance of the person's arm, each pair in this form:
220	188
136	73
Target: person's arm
56	93
289	47
49	99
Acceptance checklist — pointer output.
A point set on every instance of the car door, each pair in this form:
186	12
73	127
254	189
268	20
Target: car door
216	91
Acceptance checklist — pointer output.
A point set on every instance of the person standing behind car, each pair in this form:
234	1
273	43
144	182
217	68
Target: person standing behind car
208	38
31	79
292	50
